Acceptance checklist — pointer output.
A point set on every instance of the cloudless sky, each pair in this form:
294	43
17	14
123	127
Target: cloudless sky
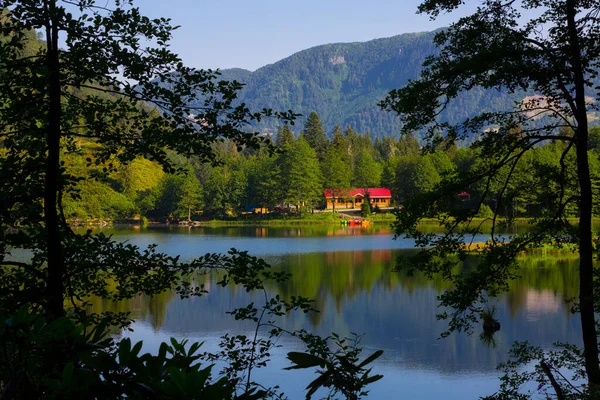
250	34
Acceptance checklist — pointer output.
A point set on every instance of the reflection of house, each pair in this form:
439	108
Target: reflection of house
354	198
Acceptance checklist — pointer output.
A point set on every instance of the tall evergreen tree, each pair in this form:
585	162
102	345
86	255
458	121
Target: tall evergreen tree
415	175
386	148
408	145
337	174
338	141
264	187
301	175
175	196
388	175
365	143
367	171
285	136
315	134
351	143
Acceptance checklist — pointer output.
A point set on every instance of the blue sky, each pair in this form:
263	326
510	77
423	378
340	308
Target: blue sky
250	34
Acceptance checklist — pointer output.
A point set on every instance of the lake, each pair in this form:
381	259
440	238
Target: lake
349	273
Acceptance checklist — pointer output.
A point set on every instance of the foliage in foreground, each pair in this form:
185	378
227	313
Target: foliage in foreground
84	93
548	49
75	356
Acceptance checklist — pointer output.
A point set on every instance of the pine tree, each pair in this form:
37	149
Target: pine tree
351	143
285	136
367	172
386	148
315	134
408	145
301	175
338	141
336	173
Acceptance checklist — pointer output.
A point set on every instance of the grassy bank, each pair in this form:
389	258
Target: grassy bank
478	247
265	220
292	219
488	221
383	217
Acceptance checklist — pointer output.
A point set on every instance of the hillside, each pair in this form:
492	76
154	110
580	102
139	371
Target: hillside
344	81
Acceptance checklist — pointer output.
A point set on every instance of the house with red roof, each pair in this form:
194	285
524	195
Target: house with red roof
464	196
354	198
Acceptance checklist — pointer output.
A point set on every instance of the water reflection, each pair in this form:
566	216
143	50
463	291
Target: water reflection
190	242
359	292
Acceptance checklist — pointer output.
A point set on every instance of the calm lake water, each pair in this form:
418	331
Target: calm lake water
348	271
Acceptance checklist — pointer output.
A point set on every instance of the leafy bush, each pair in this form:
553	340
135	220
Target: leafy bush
64	359
485	212
365	209
95	199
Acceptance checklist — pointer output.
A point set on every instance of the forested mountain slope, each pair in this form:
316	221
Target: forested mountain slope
343	82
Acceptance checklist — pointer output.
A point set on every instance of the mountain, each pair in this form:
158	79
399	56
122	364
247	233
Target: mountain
343	82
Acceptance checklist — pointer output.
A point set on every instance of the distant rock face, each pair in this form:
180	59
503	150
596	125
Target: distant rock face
336	60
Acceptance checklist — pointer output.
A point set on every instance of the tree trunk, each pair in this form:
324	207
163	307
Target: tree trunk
54	285
586	272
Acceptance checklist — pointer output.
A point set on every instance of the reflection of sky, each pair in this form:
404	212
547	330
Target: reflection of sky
402	323
395	317
407	383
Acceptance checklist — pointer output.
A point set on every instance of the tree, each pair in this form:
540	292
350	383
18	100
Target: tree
408	145
301	175
51	97
414	176
264	182
191	194
224	190
314	134
137	176
285	136
176	195
386	148
129	100
549	57
337	174
338	141
367	171
594	139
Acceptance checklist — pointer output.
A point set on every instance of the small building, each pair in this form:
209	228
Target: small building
354	198
464	196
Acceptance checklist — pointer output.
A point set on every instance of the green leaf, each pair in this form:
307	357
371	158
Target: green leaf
317	383
124	350
67	374
99	331
304	360
136	348
178	377
371	358
372	379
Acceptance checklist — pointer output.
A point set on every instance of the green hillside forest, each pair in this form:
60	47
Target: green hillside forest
296	174
343	82
311	155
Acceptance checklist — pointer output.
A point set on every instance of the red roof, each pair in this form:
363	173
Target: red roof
373	192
